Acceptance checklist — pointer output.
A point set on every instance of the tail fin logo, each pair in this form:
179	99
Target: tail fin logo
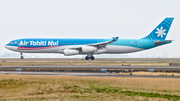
160	32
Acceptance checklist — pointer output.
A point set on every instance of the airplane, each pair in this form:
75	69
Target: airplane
74	46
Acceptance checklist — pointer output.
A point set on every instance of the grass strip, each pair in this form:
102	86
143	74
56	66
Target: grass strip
118	90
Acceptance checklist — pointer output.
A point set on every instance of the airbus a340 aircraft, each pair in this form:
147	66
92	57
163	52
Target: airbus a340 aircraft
92	46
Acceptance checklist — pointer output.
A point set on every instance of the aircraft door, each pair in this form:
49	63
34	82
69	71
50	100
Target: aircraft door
140	43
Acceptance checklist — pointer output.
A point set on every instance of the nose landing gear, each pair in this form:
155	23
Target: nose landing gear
21	56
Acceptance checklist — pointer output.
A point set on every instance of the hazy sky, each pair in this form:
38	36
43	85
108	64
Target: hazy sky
89	19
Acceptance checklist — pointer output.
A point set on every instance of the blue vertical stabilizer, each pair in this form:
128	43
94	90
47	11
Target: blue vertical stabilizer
161	31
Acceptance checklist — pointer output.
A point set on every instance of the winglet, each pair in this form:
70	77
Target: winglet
115	38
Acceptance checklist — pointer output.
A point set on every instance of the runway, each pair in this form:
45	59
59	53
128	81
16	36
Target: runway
84	74
99	71
71	68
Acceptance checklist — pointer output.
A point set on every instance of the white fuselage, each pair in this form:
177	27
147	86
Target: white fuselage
109	49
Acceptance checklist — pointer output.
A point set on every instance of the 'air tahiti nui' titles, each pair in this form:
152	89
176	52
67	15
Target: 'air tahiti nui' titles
39	43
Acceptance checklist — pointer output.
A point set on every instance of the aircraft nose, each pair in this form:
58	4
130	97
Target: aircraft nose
6	47
13	48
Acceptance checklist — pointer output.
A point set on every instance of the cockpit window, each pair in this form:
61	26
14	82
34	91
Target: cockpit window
11	43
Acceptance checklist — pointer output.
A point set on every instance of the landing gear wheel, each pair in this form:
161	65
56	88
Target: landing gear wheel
87	58
92	58
21	57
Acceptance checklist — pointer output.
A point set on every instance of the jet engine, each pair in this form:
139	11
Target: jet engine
68	52
88	49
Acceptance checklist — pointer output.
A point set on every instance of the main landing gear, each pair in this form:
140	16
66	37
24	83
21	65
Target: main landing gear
21	56
89	57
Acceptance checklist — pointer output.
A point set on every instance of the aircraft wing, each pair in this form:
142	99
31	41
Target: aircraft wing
98	45
102	44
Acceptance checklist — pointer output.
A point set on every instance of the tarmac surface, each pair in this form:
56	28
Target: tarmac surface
83	74
91	68
99	71
85	67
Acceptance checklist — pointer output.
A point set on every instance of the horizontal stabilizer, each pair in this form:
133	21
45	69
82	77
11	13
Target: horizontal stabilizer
162	42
